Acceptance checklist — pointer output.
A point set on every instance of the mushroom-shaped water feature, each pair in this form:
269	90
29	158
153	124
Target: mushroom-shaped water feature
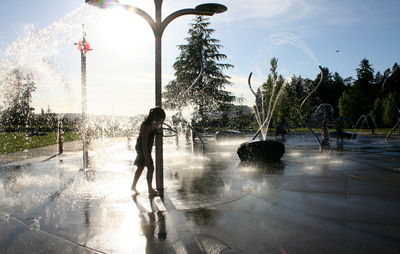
263	150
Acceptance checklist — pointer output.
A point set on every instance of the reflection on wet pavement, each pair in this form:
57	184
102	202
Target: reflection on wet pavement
309	202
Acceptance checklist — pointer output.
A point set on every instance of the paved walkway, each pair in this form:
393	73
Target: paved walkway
40	153
310	202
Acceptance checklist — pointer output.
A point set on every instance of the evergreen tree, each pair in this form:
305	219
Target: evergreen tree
199	55
360	97
273	94
377	110
295	92
390	112
348	105
330	90
391	78
365	74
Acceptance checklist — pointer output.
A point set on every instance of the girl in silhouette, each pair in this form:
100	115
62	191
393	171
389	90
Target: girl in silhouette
144	145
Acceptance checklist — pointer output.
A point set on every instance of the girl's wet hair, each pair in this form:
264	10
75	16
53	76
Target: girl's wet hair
155	113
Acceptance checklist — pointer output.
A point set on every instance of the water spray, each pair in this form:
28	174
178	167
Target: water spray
266	120
181	95
263	150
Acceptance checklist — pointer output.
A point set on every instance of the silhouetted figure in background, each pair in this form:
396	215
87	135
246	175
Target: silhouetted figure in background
144	145
280	129
339	133
325	137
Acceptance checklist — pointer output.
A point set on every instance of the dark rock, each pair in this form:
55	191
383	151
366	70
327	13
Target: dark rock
261	150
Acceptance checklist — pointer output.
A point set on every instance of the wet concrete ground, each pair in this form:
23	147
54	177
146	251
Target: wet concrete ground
310	202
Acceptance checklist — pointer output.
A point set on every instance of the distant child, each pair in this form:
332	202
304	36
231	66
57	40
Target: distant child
325	137
144	145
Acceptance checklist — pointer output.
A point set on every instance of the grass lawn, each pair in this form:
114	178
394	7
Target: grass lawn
361	131
19	141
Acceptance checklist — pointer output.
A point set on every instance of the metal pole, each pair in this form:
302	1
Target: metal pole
84	102
159	135
60	136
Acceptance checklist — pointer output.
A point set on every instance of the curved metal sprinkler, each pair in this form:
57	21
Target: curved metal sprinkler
258	117
267	119
169	128
301	106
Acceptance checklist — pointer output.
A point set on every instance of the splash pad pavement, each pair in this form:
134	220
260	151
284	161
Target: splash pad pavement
309	202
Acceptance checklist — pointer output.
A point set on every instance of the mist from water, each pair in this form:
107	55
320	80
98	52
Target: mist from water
38	51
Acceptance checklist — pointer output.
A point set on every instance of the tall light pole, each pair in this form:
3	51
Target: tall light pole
84	47
158	26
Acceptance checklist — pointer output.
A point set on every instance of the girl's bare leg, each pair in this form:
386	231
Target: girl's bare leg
138	172
150	171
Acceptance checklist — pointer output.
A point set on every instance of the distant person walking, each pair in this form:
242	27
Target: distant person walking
144	145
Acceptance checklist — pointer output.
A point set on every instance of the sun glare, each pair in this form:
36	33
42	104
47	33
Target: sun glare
124	31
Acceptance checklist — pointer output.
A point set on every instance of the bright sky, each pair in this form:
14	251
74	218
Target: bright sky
39	35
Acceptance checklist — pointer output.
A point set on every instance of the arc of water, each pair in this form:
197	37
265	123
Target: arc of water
364	123
289	38
355	126
263	119
325	108
195	80
394	127
305	99
181	95
268	119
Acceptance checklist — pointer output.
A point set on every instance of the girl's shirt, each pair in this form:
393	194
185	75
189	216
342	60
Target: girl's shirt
139	141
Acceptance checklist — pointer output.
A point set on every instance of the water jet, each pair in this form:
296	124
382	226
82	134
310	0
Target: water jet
263	150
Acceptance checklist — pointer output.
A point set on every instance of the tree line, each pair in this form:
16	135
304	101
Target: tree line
370	93
200	82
